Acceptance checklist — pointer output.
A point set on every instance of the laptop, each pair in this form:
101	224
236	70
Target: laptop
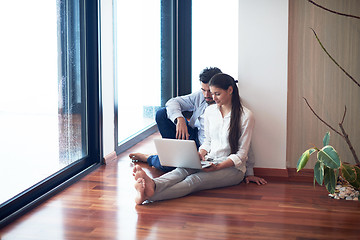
179	153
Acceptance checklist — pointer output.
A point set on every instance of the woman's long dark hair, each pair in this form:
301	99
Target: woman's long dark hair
224	81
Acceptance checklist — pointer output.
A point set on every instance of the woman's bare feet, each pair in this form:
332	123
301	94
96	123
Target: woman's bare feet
144	185
140	189
141	157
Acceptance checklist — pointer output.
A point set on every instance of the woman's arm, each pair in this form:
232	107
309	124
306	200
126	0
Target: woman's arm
206	145
247	126
225	164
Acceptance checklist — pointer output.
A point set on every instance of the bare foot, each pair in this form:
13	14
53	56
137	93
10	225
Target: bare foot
140	188
141	157
144	185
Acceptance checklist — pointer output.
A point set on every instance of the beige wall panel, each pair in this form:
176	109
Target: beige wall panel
313	75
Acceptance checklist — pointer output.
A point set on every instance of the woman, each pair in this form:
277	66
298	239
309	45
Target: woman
228	130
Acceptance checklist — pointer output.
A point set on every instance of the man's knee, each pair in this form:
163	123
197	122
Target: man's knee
161	115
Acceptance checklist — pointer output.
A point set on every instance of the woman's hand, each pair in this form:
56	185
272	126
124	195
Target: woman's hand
214	167
211	168
255	179
202	154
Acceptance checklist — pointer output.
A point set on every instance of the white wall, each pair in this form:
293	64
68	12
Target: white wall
107	69
263	48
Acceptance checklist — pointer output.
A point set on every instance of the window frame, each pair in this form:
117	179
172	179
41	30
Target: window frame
33	196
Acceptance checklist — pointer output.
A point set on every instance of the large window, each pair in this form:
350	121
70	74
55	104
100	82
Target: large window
161	47
144	65
49	125
28	95
138	65
214	37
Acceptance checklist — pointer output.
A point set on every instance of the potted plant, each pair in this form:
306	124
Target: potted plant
329	167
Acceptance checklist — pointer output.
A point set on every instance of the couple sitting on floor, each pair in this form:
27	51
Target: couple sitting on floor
221	128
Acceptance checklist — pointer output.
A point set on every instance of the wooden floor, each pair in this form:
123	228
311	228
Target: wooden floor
101	206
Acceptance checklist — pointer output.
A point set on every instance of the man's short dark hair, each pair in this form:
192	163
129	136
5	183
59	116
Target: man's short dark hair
208	73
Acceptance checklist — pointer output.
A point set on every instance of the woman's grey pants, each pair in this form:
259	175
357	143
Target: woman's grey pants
183	181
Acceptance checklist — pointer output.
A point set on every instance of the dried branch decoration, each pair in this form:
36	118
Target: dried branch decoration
332	11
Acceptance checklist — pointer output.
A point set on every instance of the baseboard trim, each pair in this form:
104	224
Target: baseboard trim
290	174
305	175
271	172
110	157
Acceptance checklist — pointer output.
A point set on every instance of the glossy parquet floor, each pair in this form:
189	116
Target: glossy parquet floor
101	206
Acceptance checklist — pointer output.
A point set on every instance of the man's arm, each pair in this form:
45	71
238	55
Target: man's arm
174	109
175	106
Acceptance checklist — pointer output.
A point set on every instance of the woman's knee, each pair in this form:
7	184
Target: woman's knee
195	183
203	180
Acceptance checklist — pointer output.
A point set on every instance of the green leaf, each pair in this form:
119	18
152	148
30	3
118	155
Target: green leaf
326	139
336	175
304	159
352	174
348	172
329	157
319	172
330	179
356	183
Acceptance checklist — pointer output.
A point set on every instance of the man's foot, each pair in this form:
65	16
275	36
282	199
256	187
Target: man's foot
141	157
144	185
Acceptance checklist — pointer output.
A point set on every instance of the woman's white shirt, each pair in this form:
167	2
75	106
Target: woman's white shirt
216	141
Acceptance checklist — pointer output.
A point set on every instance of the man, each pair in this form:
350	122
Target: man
172	123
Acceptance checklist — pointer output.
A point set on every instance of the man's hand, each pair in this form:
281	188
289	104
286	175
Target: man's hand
257	180
181	129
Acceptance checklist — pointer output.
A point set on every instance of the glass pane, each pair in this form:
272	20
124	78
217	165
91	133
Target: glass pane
138	65
214	37
41	123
